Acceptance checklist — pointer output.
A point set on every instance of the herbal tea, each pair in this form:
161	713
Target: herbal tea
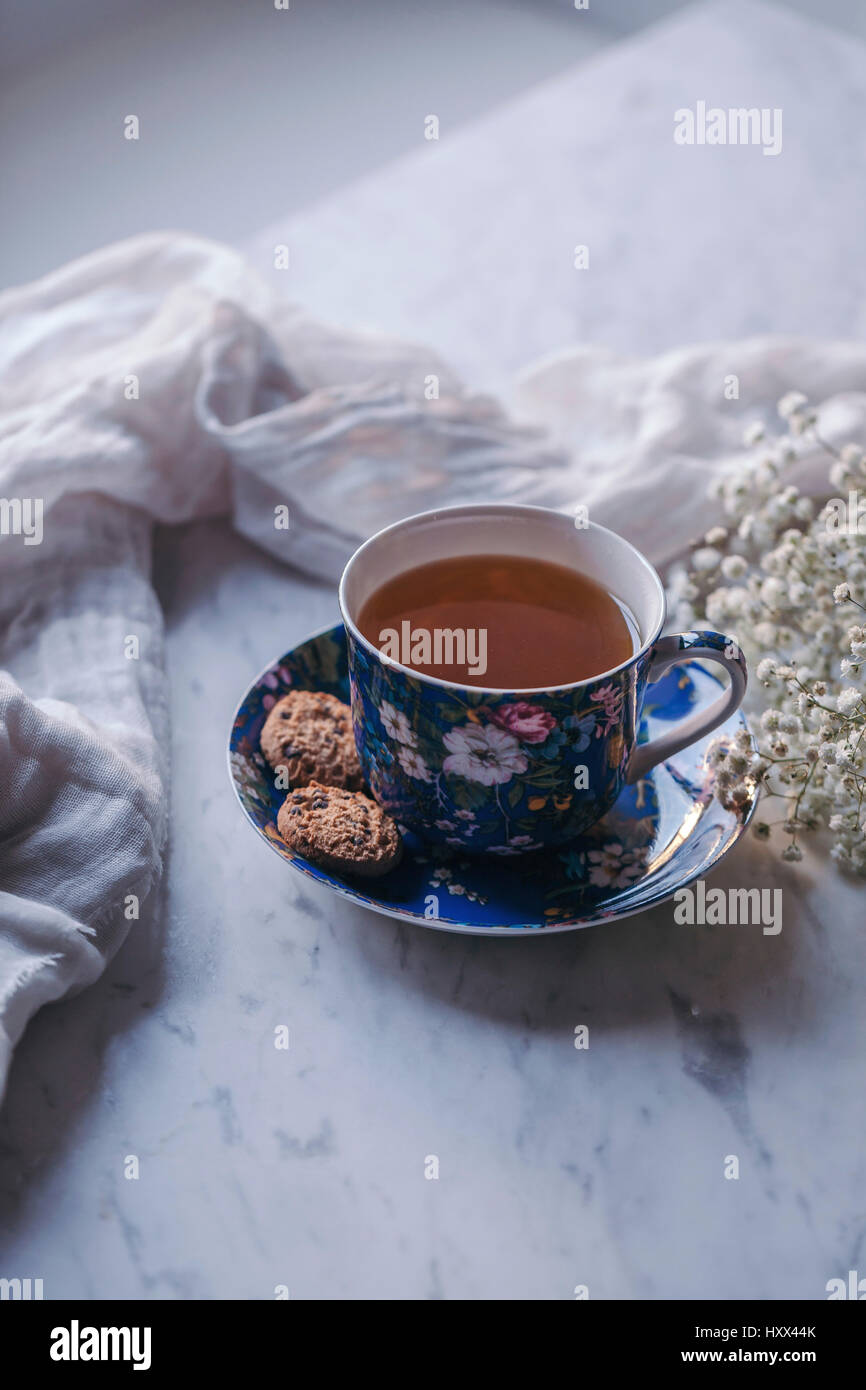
501	621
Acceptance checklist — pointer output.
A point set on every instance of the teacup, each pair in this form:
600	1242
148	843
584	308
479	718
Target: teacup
507	771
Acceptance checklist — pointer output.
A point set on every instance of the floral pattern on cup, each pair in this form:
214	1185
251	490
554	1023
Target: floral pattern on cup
488	772
595	877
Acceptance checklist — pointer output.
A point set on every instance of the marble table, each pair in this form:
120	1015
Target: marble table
468	244
558	1167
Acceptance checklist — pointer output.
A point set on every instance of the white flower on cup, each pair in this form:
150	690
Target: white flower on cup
396	725
483	754
414	765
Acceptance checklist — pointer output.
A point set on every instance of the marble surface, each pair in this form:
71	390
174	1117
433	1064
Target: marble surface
468	244
557	1167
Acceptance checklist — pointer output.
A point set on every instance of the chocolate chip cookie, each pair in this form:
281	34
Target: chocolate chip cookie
310	734
340	830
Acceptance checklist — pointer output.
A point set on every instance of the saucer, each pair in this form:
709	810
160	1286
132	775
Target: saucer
663	833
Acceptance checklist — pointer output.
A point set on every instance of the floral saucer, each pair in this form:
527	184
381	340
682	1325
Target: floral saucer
662	833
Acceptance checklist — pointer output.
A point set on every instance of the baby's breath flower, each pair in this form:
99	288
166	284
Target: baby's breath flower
776	572
734	566
717	535
839	475
790	403
753	434
800	420
790	723
766	634
848	699
707	558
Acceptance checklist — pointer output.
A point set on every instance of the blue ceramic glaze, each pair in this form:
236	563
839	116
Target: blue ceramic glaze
661	833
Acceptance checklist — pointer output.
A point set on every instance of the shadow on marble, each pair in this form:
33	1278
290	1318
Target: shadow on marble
627	974
58	1066
700	992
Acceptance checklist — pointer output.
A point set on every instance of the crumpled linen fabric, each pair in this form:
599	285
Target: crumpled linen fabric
646	437
160	380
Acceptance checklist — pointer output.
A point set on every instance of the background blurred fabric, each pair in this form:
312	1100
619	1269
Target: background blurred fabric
159	380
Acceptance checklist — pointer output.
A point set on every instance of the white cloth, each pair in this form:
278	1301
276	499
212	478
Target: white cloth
160	380
645	437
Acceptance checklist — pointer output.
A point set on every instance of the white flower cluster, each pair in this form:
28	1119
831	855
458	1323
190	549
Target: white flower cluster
787	581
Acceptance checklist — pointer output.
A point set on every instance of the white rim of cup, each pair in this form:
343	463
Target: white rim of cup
492	508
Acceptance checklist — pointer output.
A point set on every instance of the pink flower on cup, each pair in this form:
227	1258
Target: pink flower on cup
610	698
529	723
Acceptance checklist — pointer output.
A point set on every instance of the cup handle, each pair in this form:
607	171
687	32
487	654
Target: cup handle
708	646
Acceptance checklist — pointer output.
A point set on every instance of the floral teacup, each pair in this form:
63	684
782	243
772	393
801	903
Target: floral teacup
506	771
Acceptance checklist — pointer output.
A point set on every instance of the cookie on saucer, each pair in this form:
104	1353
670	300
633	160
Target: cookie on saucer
341	830
310	734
